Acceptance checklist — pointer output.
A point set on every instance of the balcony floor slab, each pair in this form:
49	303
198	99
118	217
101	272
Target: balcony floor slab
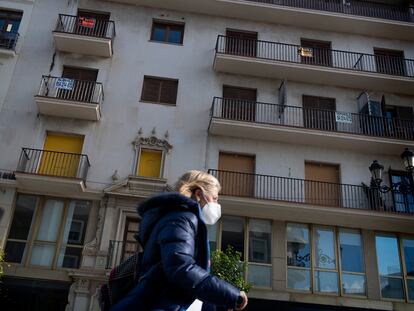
87	45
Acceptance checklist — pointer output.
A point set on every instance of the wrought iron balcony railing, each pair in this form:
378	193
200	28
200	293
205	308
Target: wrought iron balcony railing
52	163
71	89
292	53
351	7
8	40
120	251
325	120
92	27
311	192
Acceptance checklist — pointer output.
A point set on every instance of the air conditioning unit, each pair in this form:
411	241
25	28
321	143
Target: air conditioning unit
371	103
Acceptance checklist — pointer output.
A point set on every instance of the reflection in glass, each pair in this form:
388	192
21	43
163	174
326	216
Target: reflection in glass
408	245
233	233
174	36
392	288
42	255
325	248
298	279
326	282
259	241
212	236
352	259
388	256
51	218
23	217
353	284
298	250
260	275
410	285
14	251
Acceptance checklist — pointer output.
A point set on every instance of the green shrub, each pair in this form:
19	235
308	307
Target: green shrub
227	265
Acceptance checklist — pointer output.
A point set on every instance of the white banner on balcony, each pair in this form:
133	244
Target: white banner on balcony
65	84
343	117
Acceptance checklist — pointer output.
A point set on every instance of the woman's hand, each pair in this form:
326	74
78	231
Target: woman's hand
244	302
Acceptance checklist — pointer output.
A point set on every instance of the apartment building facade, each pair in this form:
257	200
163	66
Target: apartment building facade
287	102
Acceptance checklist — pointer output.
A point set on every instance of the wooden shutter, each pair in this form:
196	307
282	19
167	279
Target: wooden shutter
169	92
150	163
322	184
390	61
100	26
319	112
130	245
151	89
239	181
321	50
84	86
241	43
239	103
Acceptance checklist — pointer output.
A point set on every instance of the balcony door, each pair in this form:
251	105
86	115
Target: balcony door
66	163
92	23
83	85
130	245
403	201
243	43
239	103
390	62
319	113
321	52
236	174
399	122
9	28
322	184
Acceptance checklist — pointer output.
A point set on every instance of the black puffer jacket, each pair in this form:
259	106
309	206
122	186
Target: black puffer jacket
176	259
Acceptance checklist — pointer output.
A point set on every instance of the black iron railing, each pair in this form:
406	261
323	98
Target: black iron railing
119	251
79	25
71	89
292	53
52	163
8	40
303	191
319	119
351	7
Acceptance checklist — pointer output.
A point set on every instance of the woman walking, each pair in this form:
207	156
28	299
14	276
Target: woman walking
175	264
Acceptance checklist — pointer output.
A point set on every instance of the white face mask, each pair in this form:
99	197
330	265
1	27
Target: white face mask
211	212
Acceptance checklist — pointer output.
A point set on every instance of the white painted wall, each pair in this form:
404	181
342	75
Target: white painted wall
108	142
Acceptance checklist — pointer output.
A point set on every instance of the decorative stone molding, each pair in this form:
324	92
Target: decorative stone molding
138	187
152	141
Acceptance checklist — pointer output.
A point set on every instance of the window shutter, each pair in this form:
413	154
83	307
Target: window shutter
151	89
169	92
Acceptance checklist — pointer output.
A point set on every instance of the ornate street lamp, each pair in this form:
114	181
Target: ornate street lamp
403	187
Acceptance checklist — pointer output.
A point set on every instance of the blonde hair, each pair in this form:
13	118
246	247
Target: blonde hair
193	180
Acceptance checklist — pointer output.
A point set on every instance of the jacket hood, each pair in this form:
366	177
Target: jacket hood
154	208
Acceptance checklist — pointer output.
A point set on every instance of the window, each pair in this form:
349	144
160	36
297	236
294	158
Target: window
390	61
403	202
47	232
92	23
257	249
159	90
317	52
130	245
239	103
239	42
319	113
313	263
167	32
149	163
395	257
9	28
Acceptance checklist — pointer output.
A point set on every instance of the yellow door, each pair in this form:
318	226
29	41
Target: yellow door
150	163
61	155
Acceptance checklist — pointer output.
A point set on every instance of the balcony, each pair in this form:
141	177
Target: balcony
52	172
274	122
69	98
299	199
8	42
120	251
311	65
76	34
348	16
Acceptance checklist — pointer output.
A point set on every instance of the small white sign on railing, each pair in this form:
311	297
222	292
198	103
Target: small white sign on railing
65	84
343	117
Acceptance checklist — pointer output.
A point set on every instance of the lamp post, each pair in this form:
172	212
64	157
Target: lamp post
403	187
